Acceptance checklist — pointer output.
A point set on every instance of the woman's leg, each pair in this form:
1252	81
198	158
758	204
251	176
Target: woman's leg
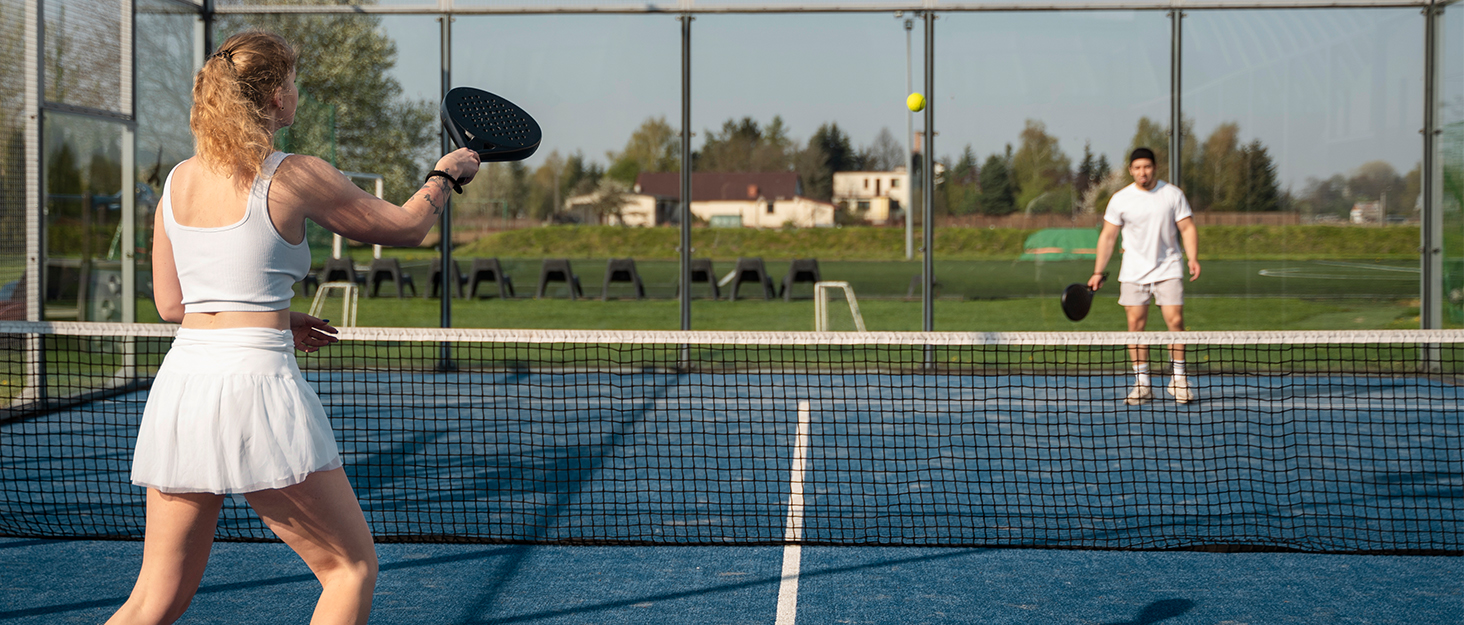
322	521
180	532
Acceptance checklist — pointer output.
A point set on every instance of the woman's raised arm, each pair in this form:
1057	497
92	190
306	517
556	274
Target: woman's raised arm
309	187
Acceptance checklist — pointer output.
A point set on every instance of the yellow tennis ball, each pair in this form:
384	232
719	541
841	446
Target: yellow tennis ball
916	102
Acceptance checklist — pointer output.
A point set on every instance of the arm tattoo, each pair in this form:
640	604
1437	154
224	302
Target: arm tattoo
436	206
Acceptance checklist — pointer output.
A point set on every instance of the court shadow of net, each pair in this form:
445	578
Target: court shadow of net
1158	611
497	471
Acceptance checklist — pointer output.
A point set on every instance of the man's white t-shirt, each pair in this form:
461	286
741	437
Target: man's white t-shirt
1152	251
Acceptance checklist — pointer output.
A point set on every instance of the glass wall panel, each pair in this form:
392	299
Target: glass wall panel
801	151
12	160
165	41
1035	114
82	182
1301	158
607	95
1451	155
83	54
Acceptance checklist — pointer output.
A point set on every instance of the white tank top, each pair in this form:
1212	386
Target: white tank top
246	266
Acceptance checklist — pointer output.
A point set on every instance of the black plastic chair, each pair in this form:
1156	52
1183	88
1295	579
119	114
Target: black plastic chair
622	270
802	270
489	270
389	269
751	269
558	270
457	278
702	271
341	270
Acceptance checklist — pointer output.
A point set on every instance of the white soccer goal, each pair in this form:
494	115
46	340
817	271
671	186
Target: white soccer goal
821	305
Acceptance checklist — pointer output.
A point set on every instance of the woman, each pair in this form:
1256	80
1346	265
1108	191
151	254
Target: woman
229	411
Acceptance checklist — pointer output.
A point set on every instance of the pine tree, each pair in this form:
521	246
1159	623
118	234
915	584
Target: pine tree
997	193
961	187
1087	171
1261	191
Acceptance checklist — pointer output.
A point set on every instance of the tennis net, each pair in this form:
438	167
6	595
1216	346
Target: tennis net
1313	441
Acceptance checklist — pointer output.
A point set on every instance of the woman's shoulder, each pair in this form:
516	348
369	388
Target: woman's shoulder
303	165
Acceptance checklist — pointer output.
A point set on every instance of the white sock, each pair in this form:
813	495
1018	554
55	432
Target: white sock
1179	368
1141	374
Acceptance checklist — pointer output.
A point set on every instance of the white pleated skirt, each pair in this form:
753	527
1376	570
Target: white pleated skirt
229	412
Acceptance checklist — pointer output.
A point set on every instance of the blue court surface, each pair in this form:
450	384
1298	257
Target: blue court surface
1318	463
83	581
717	469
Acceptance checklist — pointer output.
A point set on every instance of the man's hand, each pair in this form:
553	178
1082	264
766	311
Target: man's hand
1096	281
1194	267
310	333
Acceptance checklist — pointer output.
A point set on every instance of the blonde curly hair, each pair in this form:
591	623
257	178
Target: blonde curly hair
231	94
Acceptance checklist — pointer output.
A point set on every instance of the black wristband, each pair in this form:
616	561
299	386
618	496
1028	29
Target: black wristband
456	186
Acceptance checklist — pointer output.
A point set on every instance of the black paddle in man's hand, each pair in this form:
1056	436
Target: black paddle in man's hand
1077	299
495	128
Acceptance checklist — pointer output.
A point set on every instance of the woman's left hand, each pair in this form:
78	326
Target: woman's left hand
310	333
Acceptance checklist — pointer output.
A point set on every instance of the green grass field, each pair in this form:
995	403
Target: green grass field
1254	278
1007	315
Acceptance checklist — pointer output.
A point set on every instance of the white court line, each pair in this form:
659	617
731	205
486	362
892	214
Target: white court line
792	554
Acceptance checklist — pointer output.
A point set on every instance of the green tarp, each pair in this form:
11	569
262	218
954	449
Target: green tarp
1061	244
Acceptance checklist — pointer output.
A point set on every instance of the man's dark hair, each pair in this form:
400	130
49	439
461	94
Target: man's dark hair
1143	153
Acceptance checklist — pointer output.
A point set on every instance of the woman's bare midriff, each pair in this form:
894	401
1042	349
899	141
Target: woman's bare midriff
277	319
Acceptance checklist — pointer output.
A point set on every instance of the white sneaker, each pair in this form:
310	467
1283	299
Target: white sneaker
1179	387
1139	396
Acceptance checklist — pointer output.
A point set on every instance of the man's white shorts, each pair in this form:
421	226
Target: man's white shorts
1165	293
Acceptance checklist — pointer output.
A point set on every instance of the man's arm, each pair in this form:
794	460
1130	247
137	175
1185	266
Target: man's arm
1189	237
1106	240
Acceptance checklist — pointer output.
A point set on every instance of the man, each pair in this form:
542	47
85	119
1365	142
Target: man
1155	220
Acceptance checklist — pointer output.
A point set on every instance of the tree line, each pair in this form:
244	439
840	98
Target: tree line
1223	172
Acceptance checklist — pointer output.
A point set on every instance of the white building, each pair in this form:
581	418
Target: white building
735	200
875	196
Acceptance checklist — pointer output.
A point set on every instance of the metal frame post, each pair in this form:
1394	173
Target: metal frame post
927	226
909	147
1431	226
206	15
1176	113
447	276
35	226
127	251
35	222
686	171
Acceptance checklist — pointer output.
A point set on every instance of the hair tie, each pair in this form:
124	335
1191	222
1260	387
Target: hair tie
227	55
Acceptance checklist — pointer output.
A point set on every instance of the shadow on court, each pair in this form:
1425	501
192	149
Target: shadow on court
250	586
1159	611
49	582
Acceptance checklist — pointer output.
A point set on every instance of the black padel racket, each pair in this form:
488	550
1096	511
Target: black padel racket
494	127
1077	299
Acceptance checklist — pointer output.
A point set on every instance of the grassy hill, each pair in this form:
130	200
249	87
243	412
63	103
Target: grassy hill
868	243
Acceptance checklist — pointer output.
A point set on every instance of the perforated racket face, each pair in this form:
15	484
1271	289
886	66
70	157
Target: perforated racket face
496	128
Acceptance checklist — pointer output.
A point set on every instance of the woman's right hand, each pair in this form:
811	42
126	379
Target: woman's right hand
462	163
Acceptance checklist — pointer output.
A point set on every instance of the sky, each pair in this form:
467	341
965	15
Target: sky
1324	90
